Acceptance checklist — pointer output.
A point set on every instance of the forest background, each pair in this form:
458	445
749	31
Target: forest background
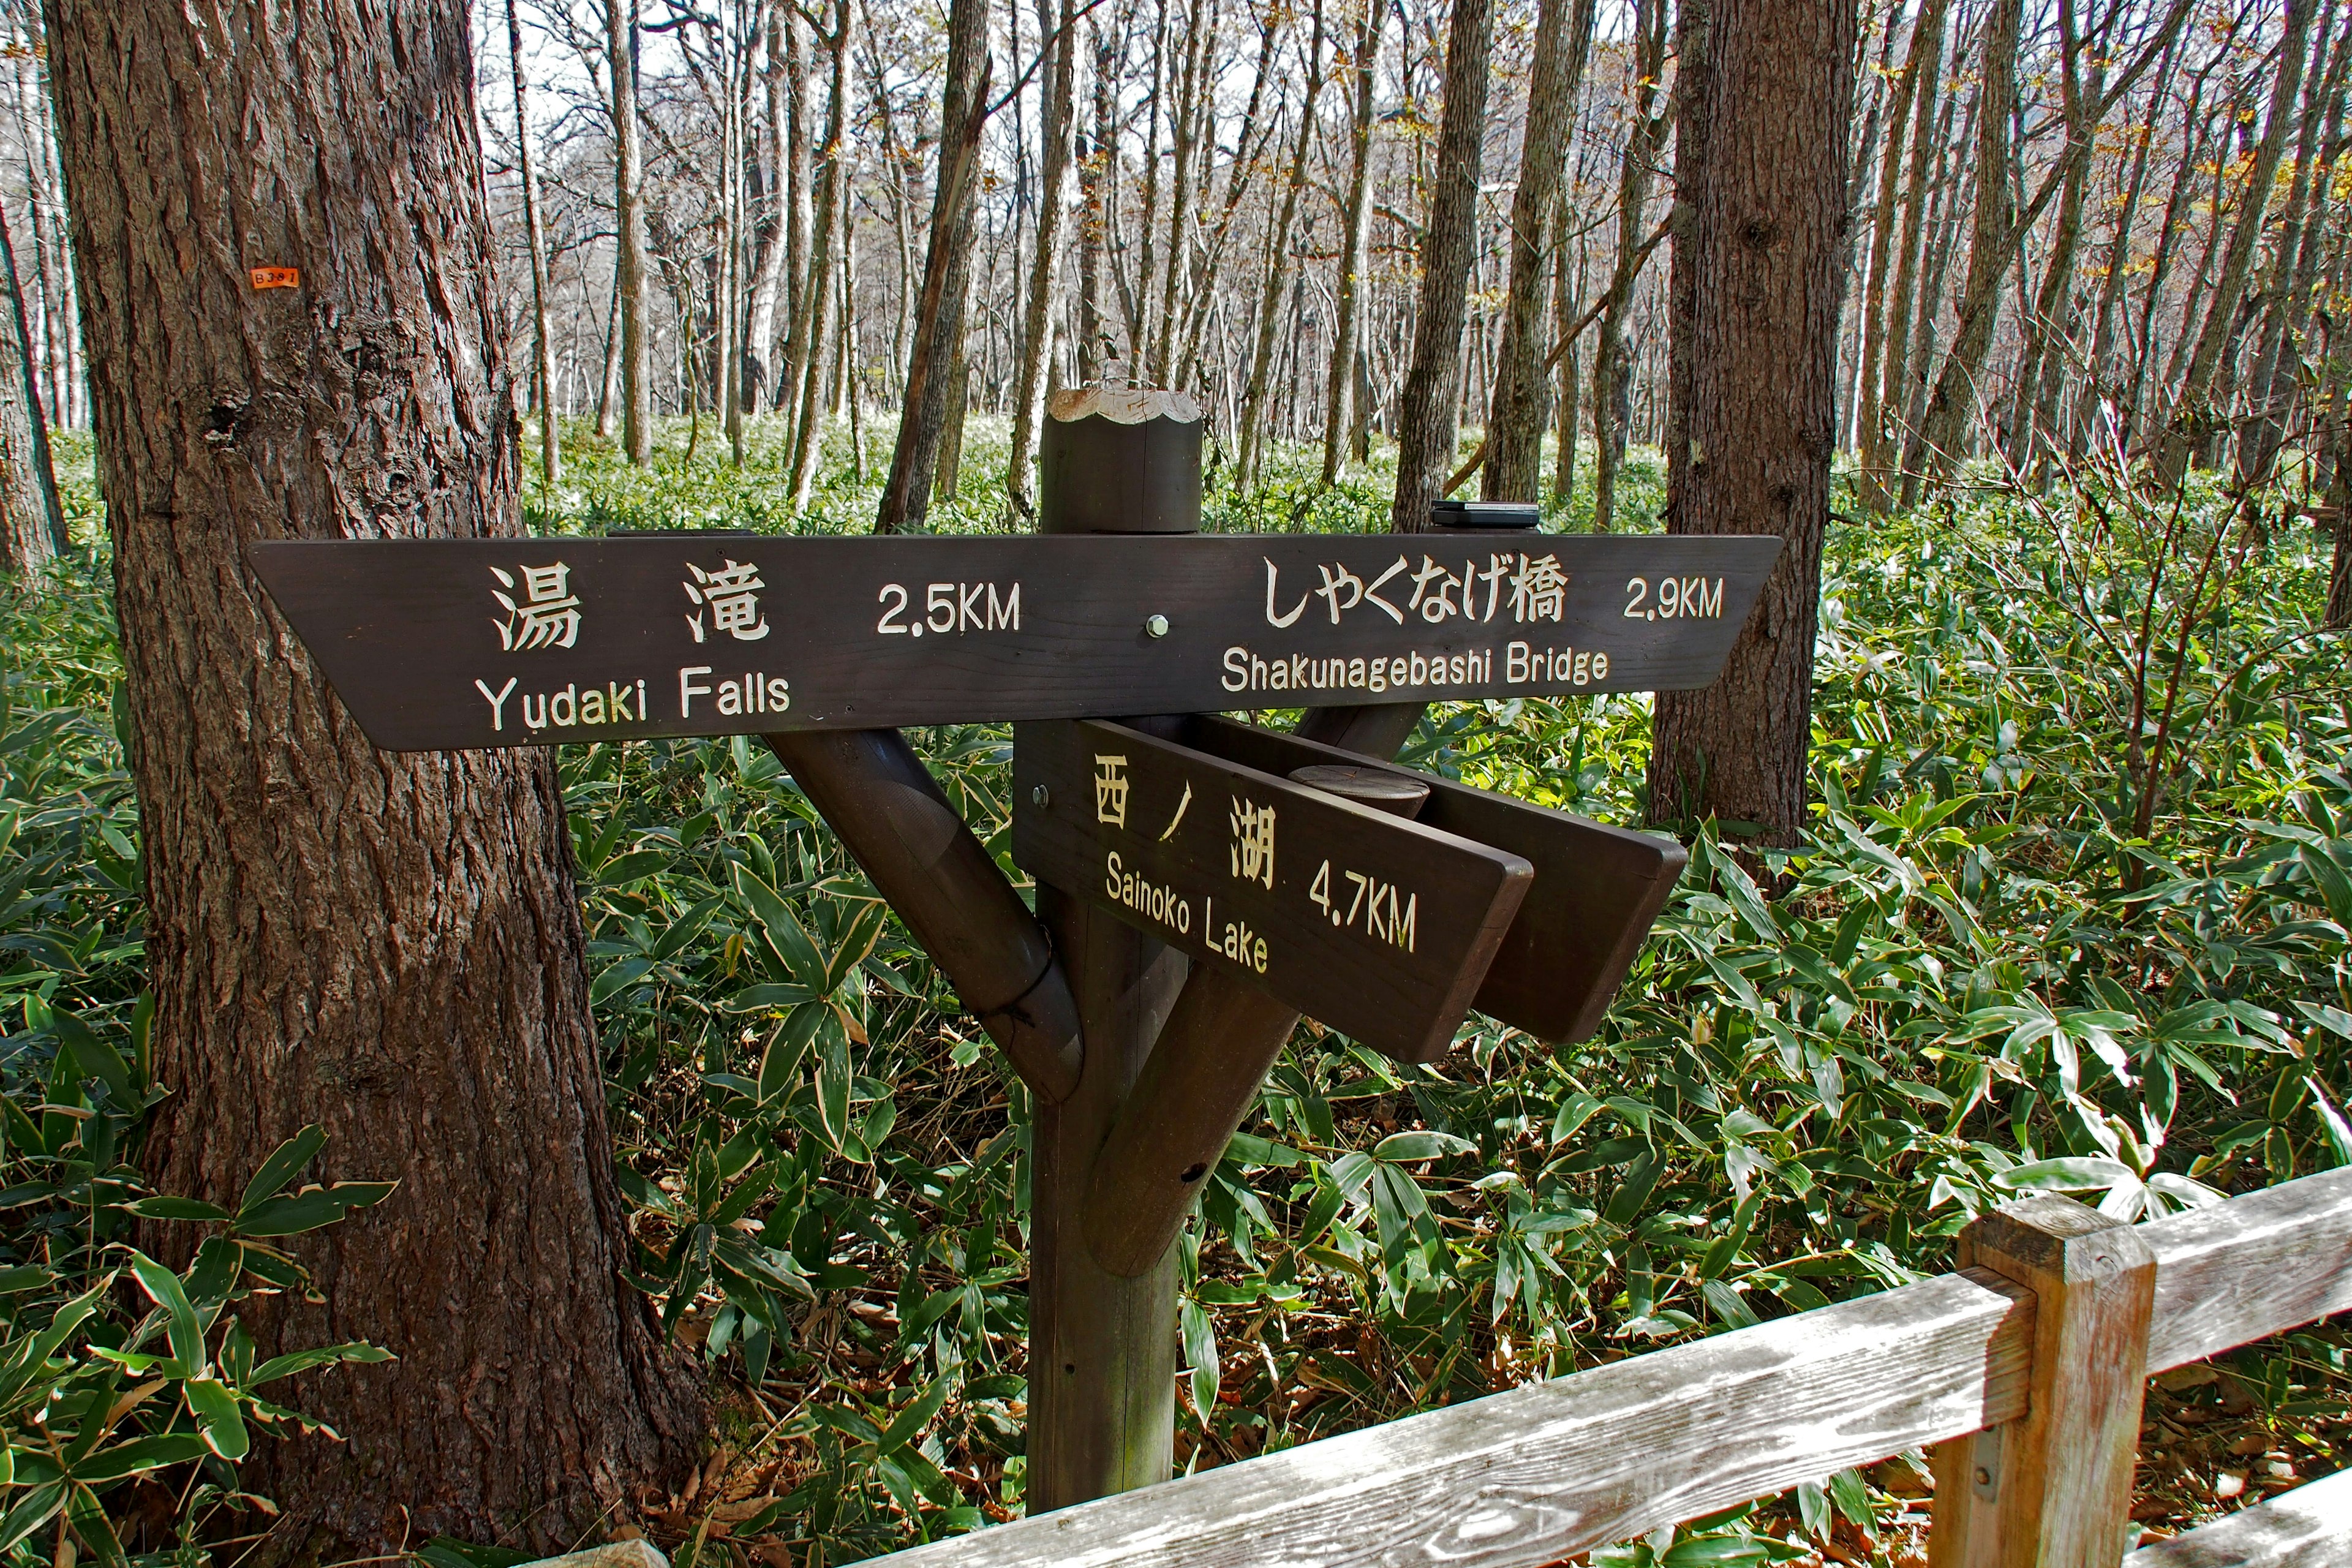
2047	888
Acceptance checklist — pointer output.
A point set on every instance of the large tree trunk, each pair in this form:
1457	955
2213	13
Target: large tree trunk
629	210
550	458
387	945
1522	398
1765	91
939	314
1428	412
31	523
1341	415
1055	116
2193	415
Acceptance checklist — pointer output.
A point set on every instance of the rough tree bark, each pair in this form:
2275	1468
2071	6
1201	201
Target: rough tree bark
629	220
1764	96
1056	118
1429	411
1340	415
1522	394
388	945
939	311
551	456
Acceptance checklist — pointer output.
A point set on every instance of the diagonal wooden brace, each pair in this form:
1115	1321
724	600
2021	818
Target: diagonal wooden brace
915	847
1219	1042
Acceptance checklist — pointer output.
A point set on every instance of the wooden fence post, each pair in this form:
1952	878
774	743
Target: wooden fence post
1102	1348
2053	1489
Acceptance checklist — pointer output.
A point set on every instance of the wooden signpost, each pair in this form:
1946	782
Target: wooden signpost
1201	883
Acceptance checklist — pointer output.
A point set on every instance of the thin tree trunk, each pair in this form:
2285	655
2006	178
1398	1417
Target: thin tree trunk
2193	416
608	396
387	945
833	217
1564	296
629	219
939	315
1428	412
1936	446
1765	93
550	458
765	382
2102	382
1193	87
1277	262
1612	367
803	280
2294	266
1522	398
2050	318
1924	58
1343	415
1095	172
2194	141
32	520
1055	119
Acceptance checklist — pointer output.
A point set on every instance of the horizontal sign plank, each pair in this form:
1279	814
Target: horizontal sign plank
452	644
1375	925
1597	891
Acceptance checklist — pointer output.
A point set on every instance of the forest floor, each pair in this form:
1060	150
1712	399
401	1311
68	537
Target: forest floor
2031	943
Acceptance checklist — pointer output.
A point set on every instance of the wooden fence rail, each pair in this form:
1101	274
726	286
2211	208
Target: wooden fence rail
2063	1303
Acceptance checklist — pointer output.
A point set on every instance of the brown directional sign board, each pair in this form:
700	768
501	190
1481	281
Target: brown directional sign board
1597	888
452	644
1380	928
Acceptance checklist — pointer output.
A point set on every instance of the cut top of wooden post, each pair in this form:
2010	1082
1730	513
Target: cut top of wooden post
1119	460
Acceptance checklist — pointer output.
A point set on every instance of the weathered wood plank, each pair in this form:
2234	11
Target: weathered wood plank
2251	1268
1523	1478
2053	1489
2310	1526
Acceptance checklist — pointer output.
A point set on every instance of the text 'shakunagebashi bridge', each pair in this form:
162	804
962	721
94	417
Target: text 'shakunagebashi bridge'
1201	883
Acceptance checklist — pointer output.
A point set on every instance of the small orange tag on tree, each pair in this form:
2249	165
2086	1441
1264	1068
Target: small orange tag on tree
277	277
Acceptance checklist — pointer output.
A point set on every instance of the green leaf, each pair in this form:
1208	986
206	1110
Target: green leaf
908	1423
1574	1113
1853	1498
139	1456
176	1209
217	1417
2071	1173
311	1207
284	1165
279	1366
31	1511
1401	1148
617	978
186	1333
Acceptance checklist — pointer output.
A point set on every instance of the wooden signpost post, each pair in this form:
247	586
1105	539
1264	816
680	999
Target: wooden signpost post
1201	883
